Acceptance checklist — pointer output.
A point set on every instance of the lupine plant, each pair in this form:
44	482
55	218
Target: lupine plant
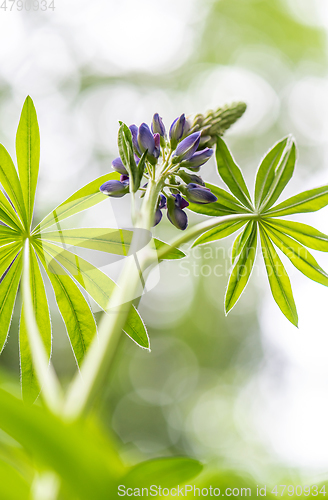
160	171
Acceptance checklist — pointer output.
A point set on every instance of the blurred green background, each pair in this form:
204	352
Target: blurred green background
247	392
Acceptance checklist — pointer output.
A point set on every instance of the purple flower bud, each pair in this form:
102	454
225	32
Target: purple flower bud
157	126
134	132
117	165
124	178
117	189
199	194
157	150
158	217
146	139
180	202
162	201
197	159
176	130
187	147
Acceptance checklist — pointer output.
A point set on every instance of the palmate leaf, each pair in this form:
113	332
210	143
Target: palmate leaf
298	255
242	271
97	284
278	279
30	385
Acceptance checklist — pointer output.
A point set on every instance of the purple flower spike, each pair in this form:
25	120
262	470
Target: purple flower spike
134	132
117	189
188	146
158	217
198	159
117	165
146	139
157	125
199	194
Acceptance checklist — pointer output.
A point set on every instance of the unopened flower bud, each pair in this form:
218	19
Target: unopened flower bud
114	188
177	130
158	217
157	126
187	147
197	159
175	214
199	194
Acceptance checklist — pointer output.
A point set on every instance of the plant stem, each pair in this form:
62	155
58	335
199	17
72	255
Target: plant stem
46	375
94	370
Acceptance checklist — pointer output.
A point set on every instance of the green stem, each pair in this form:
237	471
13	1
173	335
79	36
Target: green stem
51	390
95	367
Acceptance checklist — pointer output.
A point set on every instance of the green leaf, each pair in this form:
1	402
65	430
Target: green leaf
278	279
307	235
8	254
98	285
86	197
141	166
226	204
173	254
85	461
165	472
8	214
298	255
8	293
283	174
125	147
29	381
266	172
8	235
231	173
240	241
28	154
74	309
11	183
308	201
222	230
242	271
114	241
